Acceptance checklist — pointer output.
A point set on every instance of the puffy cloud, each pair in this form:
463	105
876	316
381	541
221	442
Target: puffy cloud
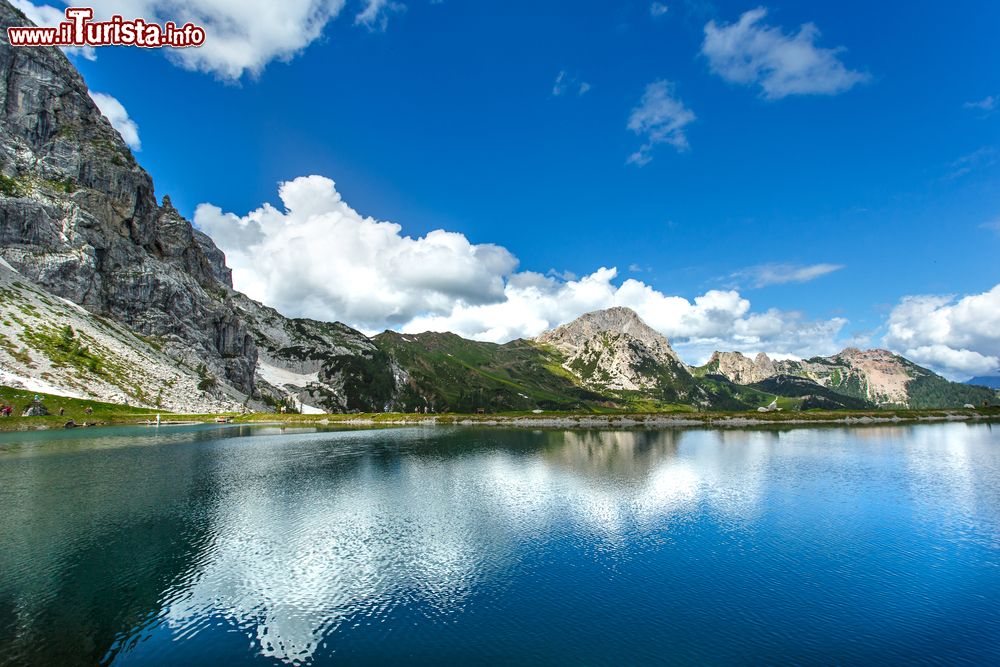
750	52
660	118
658	9
957	337
319	258
780	274
115	112
48	16
242	36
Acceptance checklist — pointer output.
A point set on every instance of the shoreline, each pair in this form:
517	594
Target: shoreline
644	420
552	421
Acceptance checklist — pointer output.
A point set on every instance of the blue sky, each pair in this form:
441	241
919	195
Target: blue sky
509	123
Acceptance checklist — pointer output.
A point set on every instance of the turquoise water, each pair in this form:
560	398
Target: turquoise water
253	545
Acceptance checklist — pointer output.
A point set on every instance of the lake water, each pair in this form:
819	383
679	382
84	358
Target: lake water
256	545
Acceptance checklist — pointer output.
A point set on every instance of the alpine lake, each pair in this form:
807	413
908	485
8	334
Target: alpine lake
440	545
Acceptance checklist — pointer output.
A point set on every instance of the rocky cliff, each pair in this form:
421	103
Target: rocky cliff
325	366
80	222
740	368
79	218
52	345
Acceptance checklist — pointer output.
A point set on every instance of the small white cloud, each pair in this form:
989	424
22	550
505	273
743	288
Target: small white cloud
565	82
658	9
750	52
993	226
559	87
375	15
660	118
958	337
763	275
562	275
48	16
115	112
987	104
978	159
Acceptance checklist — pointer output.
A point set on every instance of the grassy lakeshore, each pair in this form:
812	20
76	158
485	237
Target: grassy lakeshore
106	414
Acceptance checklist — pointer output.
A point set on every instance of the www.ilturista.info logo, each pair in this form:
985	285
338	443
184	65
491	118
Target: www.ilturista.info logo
79	30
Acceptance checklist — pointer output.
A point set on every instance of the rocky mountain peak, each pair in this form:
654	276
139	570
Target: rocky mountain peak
614	349
619	321
740	368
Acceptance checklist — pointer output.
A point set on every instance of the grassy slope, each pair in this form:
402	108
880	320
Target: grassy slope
795	387
929	390
450	373
75	409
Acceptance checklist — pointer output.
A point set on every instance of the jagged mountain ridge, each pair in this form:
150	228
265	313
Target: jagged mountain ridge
613	350
876	376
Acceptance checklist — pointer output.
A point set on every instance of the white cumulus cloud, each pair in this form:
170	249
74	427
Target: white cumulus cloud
242	36
751	52
317	257
115	112
660	118
958	336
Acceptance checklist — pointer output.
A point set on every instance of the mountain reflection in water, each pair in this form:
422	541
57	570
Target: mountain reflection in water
249	544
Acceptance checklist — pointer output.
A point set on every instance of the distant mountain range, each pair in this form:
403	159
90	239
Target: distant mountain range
991	381
107	293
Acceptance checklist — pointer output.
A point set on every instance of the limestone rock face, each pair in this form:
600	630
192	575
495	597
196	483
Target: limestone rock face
50	344
615	350
79	218
741	369
324	365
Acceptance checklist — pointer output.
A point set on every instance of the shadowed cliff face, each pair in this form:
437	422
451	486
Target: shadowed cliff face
79	216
